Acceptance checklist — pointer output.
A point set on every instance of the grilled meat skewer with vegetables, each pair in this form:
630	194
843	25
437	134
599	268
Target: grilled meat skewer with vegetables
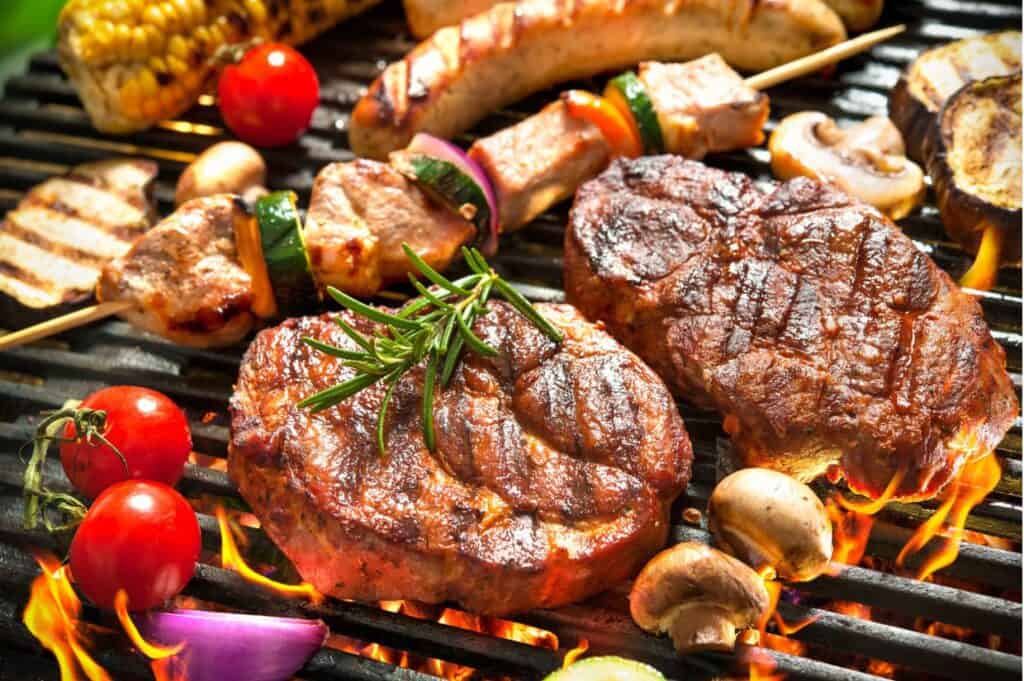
432	196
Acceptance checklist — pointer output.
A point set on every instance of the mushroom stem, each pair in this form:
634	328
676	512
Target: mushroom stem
701	626
982	274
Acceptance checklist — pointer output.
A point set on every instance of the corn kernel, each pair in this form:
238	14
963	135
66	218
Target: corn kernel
176	66
198	12
147	83
139	44
151	108
257	12
154	40
123	40
183	10
155	17
173	24
177	47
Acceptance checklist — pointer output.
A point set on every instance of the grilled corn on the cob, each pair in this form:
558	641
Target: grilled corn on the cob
136	62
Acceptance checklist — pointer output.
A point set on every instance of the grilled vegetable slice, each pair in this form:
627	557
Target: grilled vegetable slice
627	93
135	63
615	125
606	669
284	251
975	164
936	74
449	175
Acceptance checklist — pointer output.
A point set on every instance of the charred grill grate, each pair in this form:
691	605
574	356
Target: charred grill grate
43	131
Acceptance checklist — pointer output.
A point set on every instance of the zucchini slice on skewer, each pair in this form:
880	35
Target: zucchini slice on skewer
284	251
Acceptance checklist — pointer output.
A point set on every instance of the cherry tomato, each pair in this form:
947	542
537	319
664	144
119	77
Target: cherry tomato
140	536
268	97
149	430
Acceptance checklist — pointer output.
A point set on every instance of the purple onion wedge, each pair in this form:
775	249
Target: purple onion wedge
433	177
227	646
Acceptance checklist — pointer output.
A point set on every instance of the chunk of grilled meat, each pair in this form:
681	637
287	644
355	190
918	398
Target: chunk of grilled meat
360	214
704	106
937	73
540	161
808	319
184	277
53	245
555	468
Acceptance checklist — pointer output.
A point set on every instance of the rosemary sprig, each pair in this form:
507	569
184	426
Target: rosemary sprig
432	329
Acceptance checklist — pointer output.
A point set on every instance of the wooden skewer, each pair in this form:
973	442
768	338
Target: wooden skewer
63	323
772	77
819	60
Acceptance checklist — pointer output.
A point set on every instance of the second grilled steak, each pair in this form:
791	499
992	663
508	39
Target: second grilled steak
555	467
810	320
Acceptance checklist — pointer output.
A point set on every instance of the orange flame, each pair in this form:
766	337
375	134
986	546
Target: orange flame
873	506
576	653
52	615
970	487
231	558
850	533
762	666
150	650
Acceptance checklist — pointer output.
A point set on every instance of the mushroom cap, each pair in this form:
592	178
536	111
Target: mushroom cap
694	575
865	160
767	518
229	167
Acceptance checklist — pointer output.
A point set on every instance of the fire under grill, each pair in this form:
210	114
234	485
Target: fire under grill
976	599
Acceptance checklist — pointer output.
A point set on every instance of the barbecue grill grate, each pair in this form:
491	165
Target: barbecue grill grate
44	131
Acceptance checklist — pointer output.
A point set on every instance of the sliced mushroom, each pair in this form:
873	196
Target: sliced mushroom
699	596
768	519
866	160
224	168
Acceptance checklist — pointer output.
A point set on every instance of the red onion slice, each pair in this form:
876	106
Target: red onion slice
428	145
227	646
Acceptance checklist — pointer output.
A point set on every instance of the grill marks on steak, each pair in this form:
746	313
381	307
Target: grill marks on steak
808	317
555	467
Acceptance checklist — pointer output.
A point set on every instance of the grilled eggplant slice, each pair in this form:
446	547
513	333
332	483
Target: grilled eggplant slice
936	74
62	233
975	164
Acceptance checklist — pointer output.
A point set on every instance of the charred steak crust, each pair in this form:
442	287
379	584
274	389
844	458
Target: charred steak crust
808	318
555	468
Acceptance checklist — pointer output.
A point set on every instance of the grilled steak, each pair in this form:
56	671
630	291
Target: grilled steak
554	472
808	319
54	244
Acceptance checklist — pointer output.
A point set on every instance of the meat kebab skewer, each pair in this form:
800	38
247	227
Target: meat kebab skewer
210	291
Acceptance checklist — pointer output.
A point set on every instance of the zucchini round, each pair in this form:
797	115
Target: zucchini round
606	669
446	183
627	93
284	251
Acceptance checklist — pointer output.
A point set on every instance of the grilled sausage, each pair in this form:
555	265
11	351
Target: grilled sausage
426	16
463	72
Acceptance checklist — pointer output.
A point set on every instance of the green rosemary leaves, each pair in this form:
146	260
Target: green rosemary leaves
434	327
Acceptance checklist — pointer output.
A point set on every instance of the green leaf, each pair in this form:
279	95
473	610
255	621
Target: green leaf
326	399
356	337
368	311
425	292
474	343
451	359
525	308
428	402
430	273
467	255
334	350
382	416
445	339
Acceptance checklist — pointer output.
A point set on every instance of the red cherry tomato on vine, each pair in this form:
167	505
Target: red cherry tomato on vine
140	536
149	430
268	97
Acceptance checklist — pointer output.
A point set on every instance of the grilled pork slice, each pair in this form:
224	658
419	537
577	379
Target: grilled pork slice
54	244
539	162
555	467
808	319
360	214
704	106
936	74
462	73
184	276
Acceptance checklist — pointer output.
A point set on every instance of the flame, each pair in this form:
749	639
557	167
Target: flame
982	274
231	558
455	618
970	487
150	650
873	506
576	653
762	666
52	615
850	532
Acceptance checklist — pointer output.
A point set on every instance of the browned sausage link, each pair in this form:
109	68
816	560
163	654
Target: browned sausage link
462	73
